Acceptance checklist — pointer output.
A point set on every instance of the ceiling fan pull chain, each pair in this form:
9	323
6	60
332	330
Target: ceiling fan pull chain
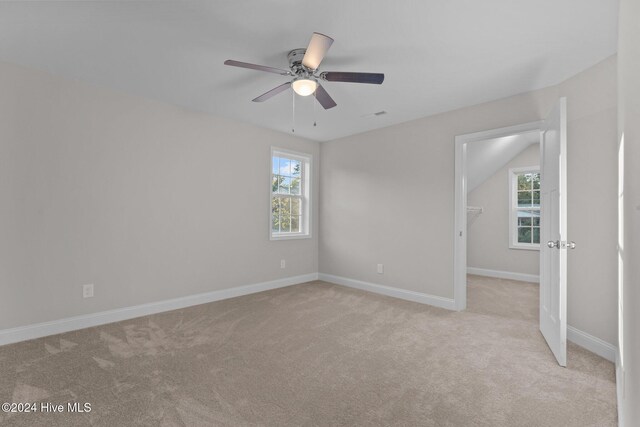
315	100
293	112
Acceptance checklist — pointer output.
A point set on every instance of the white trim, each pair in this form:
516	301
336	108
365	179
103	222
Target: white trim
525	246
591	343
305	196
522	277
460	202
620	378
404	294
289	236
23	333
460	225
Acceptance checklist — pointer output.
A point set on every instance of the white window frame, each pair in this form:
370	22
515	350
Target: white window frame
305	194
513	208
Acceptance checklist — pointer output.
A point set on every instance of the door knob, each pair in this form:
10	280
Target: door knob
561	245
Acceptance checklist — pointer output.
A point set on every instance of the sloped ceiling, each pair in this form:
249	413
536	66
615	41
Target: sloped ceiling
436	55
485	158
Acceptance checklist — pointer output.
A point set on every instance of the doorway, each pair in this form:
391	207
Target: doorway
503	226
480	159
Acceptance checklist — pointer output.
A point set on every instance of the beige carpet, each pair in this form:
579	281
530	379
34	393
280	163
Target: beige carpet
316	354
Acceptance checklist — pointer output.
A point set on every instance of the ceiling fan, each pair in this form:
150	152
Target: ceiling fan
303	67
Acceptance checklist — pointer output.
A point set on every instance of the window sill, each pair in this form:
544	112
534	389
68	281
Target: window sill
525	247
289	236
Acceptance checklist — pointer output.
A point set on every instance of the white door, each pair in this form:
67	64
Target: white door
553	231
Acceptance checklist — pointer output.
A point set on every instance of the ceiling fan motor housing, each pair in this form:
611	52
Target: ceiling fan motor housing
295	58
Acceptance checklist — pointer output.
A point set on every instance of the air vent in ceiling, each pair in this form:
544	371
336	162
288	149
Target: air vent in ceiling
378	113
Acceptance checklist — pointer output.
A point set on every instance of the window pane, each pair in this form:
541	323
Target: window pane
274	165
274	184
536	220
284	184
524	198
275	223
285	206
536	181
524	222
295	186
296	168
295	224
285	167
524	235
285	224
536	198
279	179
536	235
281	205
524	183
295	207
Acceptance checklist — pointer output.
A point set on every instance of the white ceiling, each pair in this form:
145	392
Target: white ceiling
436	55
485	158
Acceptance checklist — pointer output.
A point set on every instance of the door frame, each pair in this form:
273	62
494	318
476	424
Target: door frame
460	204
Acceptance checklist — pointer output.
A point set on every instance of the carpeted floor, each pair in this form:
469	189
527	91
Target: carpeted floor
316	354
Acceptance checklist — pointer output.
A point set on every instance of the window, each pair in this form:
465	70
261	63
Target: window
525	208
290	190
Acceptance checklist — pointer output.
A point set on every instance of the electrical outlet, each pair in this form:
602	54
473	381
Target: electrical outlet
380	268
283	263
87	291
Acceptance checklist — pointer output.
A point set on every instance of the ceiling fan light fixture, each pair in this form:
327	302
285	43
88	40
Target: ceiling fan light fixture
304	86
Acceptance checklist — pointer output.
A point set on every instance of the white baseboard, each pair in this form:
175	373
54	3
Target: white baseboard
504	274
23	333
591	343
422	298
620	378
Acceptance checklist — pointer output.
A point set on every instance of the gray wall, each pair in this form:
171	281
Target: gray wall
629	126
151	202
147	201
388	196
488	233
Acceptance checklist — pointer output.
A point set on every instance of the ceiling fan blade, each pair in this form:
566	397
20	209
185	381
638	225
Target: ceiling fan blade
273	92
317	49
257	67
339	76
324	99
